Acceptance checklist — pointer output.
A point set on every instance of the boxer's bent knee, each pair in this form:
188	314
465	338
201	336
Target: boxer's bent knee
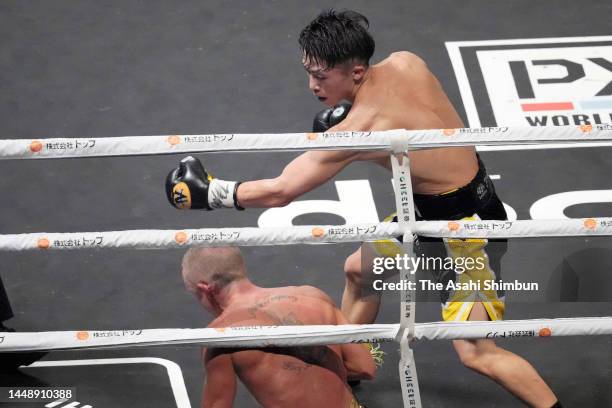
352	268
479	356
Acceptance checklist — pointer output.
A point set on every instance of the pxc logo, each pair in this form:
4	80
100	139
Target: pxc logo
560	82
573	71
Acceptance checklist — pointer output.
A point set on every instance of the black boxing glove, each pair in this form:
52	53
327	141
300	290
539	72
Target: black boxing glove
330	117
190	186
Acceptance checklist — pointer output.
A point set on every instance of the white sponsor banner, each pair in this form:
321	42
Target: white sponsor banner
541	101
535	82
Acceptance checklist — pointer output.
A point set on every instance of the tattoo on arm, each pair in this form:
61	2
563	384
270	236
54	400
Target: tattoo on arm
295	367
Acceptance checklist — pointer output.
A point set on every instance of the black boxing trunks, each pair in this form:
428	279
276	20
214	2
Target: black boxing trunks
476	200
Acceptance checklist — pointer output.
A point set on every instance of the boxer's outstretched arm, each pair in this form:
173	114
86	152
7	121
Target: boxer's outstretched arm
304	173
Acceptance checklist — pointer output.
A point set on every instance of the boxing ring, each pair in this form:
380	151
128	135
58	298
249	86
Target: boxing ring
396	142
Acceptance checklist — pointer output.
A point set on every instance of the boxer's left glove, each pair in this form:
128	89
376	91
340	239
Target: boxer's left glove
190	186
330	117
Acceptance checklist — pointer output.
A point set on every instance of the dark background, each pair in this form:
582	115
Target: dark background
117	68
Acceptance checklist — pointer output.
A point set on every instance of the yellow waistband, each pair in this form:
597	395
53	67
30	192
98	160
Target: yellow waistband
450	191
355	404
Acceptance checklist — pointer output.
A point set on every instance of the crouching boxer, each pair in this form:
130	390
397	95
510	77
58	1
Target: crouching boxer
312	376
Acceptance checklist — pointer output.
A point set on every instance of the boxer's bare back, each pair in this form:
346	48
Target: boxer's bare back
292	376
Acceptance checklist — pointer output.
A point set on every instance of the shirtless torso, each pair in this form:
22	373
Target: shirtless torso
398	93
286	377
401	93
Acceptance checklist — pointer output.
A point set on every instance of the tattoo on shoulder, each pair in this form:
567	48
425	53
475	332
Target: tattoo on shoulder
288	319
260	304
291	319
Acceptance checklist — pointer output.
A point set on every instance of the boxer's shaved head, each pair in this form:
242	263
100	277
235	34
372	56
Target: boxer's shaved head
218	266
337	37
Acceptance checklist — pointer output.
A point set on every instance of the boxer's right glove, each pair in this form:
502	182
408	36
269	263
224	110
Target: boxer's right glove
190	186
330	117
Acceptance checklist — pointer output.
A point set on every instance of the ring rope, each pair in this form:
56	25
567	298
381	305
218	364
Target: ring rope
157	239
286	336
400	139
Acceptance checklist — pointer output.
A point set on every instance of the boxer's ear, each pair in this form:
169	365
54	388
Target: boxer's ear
206	293
358	71
204	287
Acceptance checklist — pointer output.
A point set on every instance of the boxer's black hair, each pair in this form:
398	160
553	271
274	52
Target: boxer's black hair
335	37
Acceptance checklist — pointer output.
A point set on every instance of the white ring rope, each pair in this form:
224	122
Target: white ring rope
401	140
157	239
396	141
286	336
